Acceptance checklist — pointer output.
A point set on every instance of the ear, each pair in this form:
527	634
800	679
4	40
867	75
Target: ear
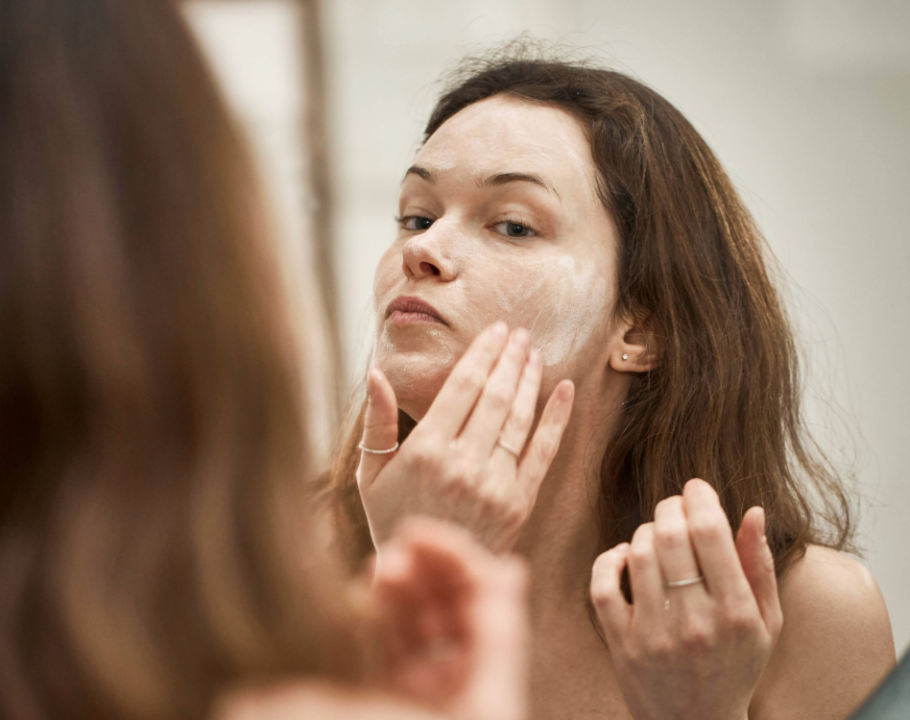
635	347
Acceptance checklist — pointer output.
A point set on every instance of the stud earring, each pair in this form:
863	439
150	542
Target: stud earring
625	357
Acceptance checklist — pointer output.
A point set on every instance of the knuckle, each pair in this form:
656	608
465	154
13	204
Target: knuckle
468	380
514	514
697	637
639	554
464	475
706	528
498	398
424	457
533	475
546	449
489	501
522	419
672	503
635	654
455	491
671	535
742	625
602	593
660	646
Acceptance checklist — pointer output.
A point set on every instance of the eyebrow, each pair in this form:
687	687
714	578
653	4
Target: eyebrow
491	181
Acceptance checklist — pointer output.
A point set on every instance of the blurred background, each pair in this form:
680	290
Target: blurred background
806	102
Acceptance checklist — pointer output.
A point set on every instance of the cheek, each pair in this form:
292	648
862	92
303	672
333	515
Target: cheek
388	271
564	306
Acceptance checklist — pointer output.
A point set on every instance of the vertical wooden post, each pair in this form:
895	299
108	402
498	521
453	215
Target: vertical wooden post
316	142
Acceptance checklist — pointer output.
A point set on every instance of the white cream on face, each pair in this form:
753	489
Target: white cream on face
577	296
560	284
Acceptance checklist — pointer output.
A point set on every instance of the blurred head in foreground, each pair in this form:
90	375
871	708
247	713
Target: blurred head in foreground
154	525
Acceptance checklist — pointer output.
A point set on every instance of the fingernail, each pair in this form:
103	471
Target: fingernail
534	359
521	338
499	330
566	392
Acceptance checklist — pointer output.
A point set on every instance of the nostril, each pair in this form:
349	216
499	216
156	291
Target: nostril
429	268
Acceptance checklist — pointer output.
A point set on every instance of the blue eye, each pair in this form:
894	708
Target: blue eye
514	229
414	222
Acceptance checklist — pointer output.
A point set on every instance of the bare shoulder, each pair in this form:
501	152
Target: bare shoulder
836	644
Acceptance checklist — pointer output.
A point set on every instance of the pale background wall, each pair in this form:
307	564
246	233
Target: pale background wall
807	104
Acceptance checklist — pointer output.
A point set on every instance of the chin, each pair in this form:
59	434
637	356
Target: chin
416	378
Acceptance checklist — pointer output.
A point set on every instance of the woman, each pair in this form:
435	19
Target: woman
579	204
161	555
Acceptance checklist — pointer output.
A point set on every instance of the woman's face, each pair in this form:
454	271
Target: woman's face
499	220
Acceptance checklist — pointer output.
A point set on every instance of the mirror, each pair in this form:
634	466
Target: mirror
806	103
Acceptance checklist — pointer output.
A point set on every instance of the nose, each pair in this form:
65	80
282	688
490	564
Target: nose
423	256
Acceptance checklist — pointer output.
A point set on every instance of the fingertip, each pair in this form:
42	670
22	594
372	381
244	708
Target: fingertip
372	383
566	391
759	519
376	381
499	330
391	563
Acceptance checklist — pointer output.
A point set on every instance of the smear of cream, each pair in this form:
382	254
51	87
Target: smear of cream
575	301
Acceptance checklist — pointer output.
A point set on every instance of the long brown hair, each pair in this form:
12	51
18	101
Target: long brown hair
724	402
157	535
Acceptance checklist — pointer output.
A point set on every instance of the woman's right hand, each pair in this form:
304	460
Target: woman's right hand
450	624
456	464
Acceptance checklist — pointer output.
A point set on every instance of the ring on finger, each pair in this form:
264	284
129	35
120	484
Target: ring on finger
683	583
509	448
386	451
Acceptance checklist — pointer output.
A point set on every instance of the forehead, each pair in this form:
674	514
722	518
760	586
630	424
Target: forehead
506	134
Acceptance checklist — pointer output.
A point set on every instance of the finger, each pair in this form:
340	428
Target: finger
521	417
674	550
380	428
399	601
449	557
545	443
644	575
488	417
712	539
613	611
487	605
758	565
449	581
500	675
415	628
461	389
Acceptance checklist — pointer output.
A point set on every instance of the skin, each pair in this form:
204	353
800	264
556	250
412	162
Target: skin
735	646
445	628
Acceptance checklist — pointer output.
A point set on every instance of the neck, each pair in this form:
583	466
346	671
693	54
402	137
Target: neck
562	537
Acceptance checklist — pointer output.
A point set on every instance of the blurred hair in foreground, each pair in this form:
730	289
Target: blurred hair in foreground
153	442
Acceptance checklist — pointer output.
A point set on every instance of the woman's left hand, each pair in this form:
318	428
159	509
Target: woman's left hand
693	651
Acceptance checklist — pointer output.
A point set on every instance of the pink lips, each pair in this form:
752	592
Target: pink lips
403	310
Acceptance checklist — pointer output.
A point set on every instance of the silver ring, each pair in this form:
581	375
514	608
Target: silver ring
378	452
683	583
516	453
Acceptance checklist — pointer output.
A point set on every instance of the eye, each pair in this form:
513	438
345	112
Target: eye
414	222
514	229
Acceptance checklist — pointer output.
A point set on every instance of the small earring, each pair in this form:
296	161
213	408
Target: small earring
625	357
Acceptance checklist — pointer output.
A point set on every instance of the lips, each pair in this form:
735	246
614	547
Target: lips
412	309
